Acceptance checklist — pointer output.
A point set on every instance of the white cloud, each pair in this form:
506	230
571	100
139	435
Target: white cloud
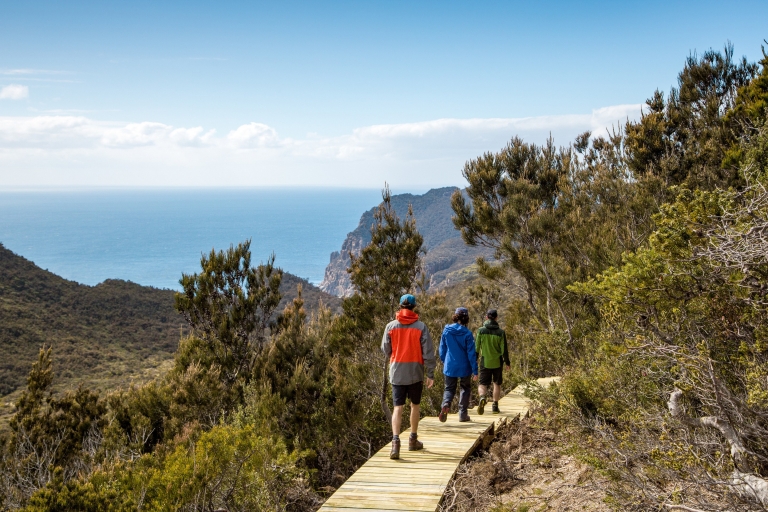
254	135
14	92
77	150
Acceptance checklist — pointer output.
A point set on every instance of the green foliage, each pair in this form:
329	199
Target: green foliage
685	312
102	335
388	266
49	435
231	467
553	217
630	288
229	305
683	140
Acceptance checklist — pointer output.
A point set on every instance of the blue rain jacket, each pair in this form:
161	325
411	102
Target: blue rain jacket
457	351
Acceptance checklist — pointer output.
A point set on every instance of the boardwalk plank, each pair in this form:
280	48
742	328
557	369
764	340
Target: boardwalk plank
418	479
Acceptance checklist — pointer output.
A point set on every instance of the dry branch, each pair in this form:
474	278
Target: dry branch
745	484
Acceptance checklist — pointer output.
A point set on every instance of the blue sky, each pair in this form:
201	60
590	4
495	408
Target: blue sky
334	93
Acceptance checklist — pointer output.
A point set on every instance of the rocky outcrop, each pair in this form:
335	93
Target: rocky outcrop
446	251
336	279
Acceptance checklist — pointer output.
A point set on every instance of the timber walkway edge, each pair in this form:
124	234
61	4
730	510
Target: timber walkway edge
417	481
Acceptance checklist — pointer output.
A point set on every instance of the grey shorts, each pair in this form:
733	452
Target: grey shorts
411	391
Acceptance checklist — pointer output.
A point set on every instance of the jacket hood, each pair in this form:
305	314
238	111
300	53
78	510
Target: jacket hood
493	324
406	316
456	328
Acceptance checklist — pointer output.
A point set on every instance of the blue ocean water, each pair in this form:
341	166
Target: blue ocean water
151	236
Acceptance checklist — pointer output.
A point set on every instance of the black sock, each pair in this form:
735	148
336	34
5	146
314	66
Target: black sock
395	436
414	435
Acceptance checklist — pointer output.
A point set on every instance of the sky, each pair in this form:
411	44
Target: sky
337	94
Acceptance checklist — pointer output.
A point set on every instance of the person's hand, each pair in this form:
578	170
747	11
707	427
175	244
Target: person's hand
509	367
430	382
474	377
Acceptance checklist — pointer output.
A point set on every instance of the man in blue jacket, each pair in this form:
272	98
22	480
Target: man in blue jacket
457	352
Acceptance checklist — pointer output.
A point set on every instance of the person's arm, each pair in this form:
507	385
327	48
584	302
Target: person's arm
428	353
443	347
477	344
386	344
472	352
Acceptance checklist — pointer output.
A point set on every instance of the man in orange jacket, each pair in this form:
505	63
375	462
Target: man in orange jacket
407	344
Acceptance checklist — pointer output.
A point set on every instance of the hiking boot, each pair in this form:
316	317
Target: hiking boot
481	405
463	416
395	453
443	414
414	444
495	408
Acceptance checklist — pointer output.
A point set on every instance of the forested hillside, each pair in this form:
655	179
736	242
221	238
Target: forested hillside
633	264
103	336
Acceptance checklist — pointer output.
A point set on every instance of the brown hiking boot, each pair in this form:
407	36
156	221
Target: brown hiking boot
443	413
495	408
395	453
414	444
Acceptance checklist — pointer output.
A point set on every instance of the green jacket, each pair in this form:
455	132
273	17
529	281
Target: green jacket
491	345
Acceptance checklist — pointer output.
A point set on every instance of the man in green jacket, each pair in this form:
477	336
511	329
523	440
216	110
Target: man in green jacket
491	347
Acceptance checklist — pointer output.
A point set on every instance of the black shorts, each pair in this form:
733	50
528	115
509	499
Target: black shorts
488	375
412	391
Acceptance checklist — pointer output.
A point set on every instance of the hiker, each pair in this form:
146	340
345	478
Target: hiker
491	345
457	352
407	344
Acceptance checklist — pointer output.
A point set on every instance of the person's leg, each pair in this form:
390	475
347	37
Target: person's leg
397	420
497	376
466	392
415	411
450	390
414	393
448	394
484	380
398	398
464	398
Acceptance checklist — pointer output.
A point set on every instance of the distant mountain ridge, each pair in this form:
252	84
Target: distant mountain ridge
446	251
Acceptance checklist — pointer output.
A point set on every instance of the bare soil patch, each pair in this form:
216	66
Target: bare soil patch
524	469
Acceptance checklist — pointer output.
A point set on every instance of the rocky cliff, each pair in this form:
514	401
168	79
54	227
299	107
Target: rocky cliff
446	252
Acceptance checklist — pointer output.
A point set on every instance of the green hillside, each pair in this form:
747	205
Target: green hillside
101	334
104	335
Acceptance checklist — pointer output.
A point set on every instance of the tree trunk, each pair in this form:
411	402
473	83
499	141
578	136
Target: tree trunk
746	484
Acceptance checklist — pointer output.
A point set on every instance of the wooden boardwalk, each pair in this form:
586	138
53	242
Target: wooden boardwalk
417	480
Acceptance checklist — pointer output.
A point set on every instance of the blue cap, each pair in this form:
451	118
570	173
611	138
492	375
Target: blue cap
461	311
408	300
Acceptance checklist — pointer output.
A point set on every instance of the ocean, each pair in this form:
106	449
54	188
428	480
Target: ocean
151	236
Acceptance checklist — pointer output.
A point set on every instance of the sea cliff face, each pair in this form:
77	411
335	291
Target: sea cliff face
336	279
446	251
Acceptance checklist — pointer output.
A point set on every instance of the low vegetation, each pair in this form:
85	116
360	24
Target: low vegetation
103	336
632	264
